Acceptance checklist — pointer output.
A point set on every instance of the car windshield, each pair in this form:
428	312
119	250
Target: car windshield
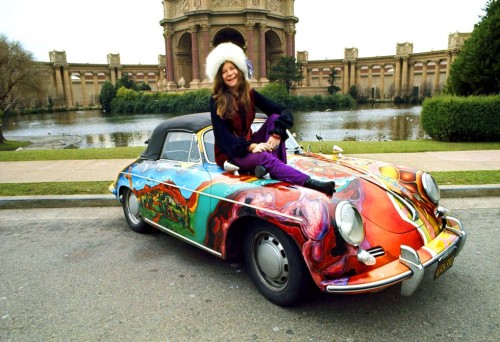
209	140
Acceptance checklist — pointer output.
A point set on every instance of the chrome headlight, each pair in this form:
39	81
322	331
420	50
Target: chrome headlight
431	188
349	223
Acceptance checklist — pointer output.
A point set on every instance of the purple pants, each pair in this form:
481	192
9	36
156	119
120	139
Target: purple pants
274	162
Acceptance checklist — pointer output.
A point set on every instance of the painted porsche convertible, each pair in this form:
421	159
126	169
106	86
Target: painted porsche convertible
382	227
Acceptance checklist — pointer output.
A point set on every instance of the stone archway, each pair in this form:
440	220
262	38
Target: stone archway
274	49
229	35
183	58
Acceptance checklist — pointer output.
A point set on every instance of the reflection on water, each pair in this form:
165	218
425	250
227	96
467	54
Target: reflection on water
99	130
363	124
95	128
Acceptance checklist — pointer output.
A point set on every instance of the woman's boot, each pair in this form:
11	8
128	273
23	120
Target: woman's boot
325	187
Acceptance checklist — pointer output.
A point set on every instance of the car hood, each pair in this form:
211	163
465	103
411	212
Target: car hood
388	195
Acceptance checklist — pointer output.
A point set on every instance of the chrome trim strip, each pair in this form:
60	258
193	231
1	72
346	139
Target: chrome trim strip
294	218
373	286
183	238
376	251
413	211
376	285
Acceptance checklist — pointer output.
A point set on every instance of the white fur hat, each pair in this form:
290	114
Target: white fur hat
227	52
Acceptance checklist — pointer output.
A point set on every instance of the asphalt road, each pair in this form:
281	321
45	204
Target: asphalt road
81	275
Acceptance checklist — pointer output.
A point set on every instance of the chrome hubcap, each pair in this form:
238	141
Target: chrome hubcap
133	208
271	261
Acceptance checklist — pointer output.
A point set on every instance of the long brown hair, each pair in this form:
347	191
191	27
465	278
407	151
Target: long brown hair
227	102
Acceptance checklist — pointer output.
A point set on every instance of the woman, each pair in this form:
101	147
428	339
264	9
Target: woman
232	108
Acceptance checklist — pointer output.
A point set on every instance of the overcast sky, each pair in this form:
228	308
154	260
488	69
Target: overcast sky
90	29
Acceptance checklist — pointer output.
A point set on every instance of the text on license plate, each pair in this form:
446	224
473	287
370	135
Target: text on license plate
445	263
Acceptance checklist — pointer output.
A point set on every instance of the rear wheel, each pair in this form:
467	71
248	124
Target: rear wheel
132	212
276	265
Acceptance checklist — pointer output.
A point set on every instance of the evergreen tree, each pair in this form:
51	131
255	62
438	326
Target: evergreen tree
476	70
286	72
333	88
127	82
107	94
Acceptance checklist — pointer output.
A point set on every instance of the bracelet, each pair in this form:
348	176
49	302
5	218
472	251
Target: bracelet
277	136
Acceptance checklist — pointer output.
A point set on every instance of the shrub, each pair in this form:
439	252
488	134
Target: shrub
106	96
453	118
276	92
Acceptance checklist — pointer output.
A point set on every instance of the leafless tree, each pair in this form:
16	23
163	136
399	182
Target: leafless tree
20	79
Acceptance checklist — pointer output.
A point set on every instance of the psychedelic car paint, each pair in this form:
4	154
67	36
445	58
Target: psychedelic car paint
406	232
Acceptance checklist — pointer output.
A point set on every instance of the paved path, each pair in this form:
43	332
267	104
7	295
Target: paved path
107	169
61	170
443	161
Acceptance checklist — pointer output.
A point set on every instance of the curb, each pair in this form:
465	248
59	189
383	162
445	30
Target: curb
74	201
57	201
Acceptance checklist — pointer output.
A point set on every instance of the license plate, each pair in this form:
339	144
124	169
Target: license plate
445	263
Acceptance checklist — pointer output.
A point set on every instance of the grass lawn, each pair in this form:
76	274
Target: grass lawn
8	153
101	187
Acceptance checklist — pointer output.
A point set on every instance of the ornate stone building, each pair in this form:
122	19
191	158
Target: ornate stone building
405	74
265	29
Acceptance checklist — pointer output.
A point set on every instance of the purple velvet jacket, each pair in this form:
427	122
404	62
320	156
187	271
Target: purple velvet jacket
233	136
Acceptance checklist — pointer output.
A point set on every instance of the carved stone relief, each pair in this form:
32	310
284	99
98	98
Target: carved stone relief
227	3
181	6
273	5
404	49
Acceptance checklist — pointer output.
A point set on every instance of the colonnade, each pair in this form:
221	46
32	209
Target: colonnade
80	84
405	74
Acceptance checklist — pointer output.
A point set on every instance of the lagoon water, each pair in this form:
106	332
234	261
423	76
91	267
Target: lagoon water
379	122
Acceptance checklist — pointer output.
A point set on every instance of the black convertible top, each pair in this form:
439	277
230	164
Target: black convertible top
188	123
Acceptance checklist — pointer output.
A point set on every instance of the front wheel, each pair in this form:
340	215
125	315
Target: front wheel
276	265
132	212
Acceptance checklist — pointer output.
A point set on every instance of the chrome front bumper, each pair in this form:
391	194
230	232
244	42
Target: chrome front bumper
413	276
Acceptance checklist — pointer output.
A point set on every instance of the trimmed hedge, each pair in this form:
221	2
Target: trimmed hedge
277	92
128	101
453	118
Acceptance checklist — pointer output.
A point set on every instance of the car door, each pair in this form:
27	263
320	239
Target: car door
180	181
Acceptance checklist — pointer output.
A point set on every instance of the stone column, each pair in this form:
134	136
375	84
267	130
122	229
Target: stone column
423	85
195	61
370	86
449	60
345	78
83	84
289	31
358	77
382	81
397	77
352	78
411	82
67	88
436	77
59	84
170	59
404	76
206	48
250	41
113	75
306	72
262	54
96	86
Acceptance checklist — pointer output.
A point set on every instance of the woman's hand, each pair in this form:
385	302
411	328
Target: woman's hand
262	147
274	141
